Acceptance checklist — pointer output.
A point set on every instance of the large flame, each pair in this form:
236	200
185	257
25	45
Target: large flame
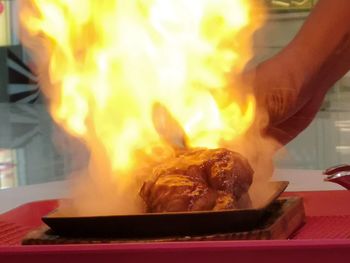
107	63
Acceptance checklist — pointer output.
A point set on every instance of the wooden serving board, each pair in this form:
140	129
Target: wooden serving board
281	219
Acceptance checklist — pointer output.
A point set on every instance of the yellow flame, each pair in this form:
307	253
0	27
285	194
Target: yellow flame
108	62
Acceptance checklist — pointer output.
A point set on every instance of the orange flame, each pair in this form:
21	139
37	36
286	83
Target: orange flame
107	63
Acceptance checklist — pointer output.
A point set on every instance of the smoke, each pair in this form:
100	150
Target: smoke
260	150
92	190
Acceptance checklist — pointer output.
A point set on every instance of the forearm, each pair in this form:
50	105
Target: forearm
291	86
317	57
321	49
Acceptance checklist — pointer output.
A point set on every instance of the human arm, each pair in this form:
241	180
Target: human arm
291	86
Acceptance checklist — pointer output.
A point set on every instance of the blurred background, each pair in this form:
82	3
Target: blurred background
28	137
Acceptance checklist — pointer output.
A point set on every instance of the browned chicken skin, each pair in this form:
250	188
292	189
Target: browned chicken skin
199	179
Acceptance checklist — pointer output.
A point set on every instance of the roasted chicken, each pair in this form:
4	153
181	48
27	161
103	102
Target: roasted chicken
197	180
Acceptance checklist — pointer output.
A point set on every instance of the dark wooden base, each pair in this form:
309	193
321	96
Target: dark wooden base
280	221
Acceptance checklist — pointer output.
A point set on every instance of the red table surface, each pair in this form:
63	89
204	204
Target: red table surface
324	238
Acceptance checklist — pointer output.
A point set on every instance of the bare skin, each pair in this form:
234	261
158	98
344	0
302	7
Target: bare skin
291	86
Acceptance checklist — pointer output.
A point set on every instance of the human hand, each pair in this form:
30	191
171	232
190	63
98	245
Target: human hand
291	86
285	95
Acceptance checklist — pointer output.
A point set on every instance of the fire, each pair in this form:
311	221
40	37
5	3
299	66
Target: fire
103	65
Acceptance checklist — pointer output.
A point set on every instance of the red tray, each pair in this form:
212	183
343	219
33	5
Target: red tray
325	237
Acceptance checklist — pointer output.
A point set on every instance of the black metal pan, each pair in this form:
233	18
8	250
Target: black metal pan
154	225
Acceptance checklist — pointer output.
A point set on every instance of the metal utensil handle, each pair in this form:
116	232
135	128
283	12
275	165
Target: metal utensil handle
337	168
339	174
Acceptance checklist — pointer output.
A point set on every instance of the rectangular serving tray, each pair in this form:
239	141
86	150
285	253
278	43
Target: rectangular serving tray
163	224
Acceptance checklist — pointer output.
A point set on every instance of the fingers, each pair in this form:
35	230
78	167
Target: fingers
276	87
290	128
281	103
